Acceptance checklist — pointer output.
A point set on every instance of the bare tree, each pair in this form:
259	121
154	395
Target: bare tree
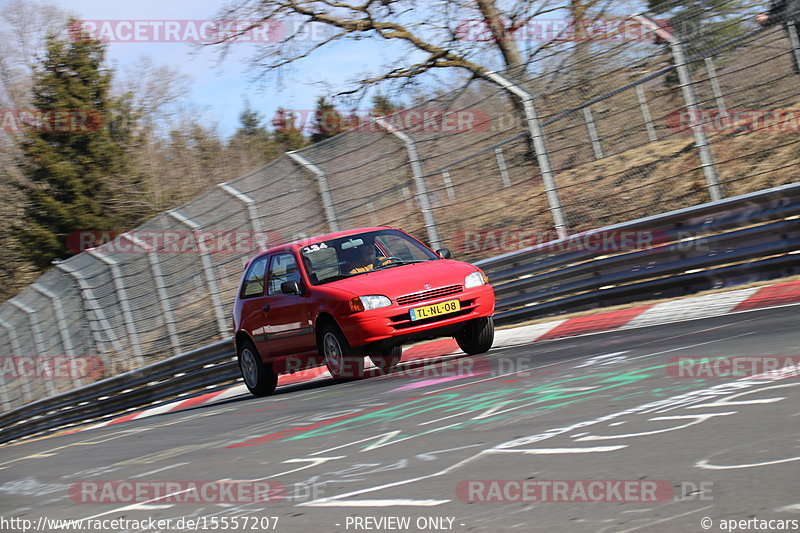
475	36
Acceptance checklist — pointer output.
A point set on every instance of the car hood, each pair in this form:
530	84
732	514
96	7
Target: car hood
406	279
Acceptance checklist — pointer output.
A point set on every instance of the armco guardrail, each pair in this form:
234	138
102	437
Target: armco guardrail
195	370
754	236
747	237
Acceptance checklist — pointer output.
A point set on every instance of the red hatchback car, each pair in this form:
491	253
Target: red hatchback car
338	298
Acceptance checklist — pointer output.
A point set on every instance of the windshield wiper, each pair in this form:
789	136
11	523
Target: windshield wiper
399	263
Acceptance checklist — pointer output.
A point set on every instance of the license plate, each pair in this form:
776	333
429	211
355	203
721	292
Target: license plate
429	311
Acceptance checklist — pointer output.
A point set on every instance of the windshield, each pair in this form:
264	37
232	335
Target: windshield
333	259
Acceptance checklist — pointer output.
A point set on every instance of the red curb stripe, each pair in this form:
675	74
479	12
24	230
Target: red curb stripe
594	323
124	418
782	293
197	400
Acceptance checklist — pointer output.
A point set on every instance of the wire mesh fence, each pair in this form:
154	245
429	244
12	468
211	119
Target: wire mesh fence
623	128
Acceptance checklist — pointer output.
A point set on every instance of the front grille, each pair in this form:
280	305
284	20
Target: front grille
428	295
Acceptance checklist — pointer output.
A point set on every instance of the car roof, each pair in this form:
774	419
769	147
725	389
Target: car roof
302	242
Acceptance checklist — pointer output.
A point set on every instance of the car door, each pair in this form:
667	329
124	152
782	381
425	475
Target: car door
253	298
289	325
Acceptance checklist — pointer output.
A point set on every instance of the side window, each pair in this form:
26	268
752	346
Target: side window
282	268
254	281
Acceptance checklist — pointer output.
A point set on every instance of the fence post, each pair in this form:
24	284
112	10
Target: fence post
124	303
648	120
208	271
324	188
252	210
537	137
690	101
596	147
712	77
417	175
501	164
61	320
448	185
15	347
38	340
161	290
794	41
90	306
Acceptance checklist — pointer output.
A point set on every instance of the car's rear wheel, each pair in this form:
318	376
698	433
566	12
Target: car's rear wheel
477	336
343	362
387	361
259	377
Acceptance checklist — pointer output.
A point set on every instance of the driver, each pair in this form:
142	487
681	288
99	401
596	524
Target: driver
366	258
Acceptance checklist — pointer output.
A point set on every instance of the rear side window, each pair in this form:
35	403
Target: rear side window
283	267
254	281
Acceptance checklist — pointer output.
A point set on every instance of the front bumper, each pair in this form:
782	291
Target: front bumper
394	322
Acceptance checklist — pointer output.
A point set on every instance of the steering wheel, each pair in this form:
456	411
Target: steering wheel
386	260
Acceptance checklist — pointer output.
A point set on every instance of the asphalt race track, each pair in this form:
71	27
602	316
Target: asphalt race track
417	450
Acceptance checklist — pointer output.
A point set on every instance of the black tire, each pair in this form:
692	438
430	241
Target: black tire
477	336
259	377
385	362
343	362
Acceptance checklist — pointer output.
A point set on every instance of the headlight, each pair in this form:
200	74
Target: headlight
374	302
476	279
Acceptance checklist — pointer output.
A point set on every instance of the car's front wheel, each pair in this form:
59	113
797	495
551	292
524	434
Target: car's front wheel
342	361
477	336
259	377
388	360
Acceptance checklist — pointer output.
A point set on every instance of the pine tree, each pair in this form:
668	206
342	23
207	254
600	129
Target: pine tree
69	168
327	121
382	105
252	137
287	134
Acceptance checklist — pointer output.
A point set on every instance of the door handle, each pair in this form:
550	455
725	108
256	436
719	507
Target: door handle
265	308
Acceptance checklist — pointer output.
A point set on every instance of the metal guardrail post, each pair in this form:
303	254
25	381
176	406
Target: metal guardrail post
324	188
794	40
645	109
448	185
423	202
161	290
91	306
596	147
38	340
690	101
501	164
124	303
712	77
15	347
537	137
61	321
208	270
252	210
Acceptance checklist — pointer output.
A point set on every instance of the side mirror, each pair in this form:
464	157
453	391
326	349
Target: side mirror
291	287
444	253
